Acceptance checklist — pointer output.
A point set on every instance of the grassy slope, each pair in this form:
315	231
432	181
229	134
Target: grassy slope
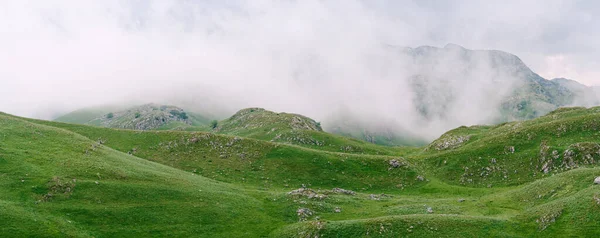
253	162
295	129
533	141
84	116
562	201
133	197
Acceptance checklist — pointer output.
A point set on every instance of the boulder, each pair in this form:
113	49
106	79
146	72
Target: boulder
304	213
597	180
395	163
429	210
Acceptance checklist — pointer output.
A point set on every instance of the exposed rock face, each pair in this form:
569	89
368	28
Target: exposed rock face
145	117
304	213
578	154
395	163
449	142
583	153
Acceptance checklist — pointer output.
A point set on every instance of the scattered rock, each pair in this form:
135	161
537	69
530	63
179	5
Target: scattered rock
461	200
343	191
510	149
396	163
597	180
374	197
96	182
420	178
429	210
337	210
546	167
546	220
307	192
555	154
304	213
493	160
568	157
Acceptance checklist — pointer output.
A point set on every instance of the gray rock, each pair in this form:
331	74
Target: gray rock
343	191
307	192
597	180
429	210
394	163
546	167
304	213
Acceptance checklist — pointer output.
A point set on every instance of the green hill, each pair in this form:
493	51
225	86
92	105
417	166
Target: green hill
145	117
60	179
56	183
85	115
293	129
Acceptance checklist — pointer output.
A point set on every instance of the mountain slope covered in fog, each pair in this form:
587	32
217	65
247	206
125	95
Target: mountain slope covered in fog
414	96
453	86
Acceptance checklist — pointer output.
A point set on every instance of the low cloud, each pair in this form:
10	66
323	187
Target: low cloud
318	58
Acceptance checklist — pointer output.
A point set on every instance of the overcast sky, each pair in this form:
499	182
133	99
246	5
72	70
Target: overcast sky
57	56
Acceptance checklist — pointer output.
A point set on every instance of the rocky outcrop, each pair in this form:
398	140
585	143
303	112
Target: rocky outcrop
449	142
145	117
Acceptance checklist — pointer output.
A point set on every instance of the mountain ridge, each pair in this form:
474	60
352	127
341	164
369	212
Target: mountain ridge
449	87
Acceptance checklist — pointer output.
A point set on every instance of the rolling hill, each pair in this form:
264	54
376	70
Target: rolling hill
531	178
144	117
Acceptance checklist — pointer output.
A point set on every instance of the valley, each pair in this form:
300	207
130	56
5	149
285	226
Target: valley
517	179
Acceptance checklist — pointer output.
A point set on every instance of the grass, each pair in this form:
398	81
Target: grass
59	179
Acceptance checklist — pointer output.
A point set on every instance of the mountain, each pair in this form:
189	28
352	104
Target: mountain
517	179
144	117
443	88
427	91
443	77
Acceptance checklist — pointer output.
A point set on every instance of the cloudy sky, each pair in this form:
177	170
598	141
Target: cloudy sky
58	56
